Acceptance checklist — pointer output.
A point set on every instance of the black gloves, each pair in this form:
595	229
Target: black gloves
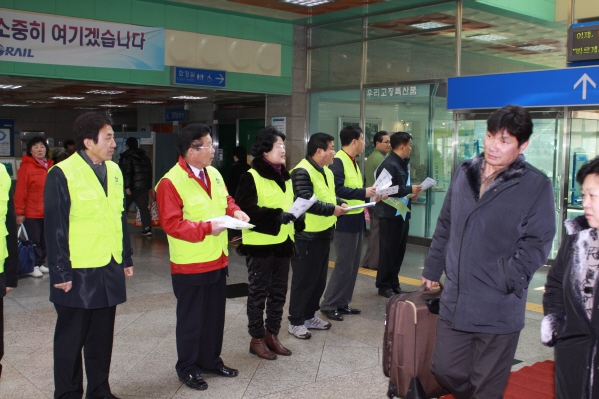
286	218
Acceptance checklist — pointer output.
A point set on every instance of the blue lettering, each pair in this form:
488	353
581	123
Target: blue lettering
29	53
18	52
9	51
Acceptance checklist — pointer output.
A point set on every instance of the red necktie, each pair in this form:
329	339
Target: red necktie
203	177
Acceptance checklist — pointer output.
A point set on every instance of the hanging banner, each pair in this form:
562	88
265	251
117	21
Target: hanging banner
48	39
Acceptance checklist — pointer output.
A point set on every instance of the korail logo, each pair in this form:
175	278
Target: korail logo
15	52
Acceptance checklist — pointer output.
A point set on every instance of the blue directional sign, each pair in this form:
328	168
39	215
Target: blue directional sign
199	77
556	87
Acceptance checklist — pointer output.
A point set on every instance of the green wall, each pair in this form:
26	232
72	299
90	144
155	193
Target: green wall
139	12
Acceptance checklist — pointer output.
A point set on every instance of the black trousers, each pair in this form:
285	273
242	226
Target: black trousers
200	325
35	231
393	233
268	279
141	199
473	365
309	279
91	330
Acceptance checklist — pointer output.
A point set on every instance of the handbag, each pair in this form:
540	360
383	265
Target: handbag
26	253
153	207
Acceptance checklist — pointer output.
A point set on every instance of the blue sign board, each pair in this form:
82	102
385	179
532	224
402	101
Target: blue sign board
199	77
174	115
556	87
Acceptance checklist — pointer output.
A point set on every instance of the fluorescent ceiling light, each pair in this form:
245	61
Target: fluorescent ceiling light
112	105
10	87
40	102
14	105
538	47
85	108
188	98
148	102
105	92
67	98
487	38
429	25
307	3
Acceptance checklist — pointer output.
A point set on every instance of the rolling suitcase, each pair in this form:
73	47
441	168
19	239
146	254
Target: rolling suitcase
410	331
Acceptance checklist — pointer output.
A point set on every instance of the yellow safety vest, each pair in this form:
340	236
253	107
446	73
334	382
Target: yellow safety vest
5	183
198	206
324	191
353	179
270	195
95	218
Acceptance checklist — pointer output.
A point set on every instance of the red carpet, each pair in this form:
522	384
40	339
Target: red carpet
530	382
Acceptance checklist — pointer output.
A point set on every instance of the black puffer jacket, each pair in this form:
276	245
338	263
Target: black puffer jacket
303	187
137	169
265	219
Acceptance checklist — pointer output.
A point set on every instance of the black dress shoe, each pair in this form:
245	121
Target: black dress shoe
226	371
348	310
107	396
194	381
397	290
332	314
388	293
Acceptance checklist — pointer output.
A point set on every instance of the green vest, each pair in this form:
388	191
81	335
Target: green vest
270	195
5	183
198	206
353	179
324	191
95	218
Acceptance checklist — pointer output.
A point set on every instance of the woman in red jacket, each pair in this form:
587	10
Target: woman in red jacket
29	198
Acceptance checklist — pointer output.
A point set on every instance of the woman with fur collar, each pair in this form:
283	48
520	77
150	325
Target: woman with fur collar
571	322
265	194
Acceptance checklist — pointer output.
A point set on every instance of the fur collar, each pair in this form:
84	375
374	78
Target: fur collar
472	168
265	170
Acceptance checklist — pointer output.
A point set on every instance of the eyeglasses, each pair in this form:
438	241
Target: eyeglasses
281	146
201	147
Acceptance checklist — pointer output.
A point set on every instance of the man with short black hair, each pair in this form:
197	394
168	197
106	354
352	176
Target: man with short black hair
89	255
394	214
189	196
495	230
312	176
382	147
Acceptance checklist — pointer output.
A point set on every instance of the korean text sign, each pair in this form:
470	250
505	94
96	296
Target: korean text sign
48	39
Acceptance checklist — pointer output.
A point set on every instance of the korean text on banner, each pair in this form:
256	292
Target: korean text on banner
48	39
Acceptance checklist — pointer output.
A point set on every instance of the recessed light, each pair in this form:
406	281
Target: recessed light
148	102
85	108
112	105
67	98
40	102
487	38
10	87
188	98
105	92
307	3
538	47
14	105
429	25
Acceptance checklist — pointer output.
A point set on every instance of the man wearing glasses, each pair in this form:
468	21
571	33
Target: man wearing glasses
382	147
189	195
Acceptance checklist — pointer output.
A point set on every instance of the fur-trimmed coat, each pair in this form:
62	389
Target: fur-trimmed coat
566	325
490	247
265	219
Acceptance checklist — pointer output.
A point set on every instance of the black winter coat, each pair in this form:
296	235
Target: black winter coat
303	187
398	169
490	247
10	276
137	169
265	219
566	324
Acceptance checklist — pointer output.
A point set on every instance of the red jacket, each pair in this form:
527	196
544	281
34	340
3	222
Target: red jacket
170	209
29	193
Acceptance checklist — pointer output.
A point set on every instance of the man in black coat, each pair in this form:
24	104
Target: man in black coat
137	172
394	223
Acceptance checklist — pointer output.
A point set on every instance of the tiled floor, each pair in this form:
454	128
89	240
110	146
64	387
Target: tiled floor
343	362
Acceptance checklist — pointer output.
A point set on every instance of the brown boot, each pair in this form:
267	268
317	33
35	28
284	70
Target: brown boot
273	343
259	348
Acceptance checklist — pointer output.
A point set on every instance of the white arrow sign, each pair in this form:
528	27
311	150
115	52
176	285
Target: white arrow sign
221	78
584	79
